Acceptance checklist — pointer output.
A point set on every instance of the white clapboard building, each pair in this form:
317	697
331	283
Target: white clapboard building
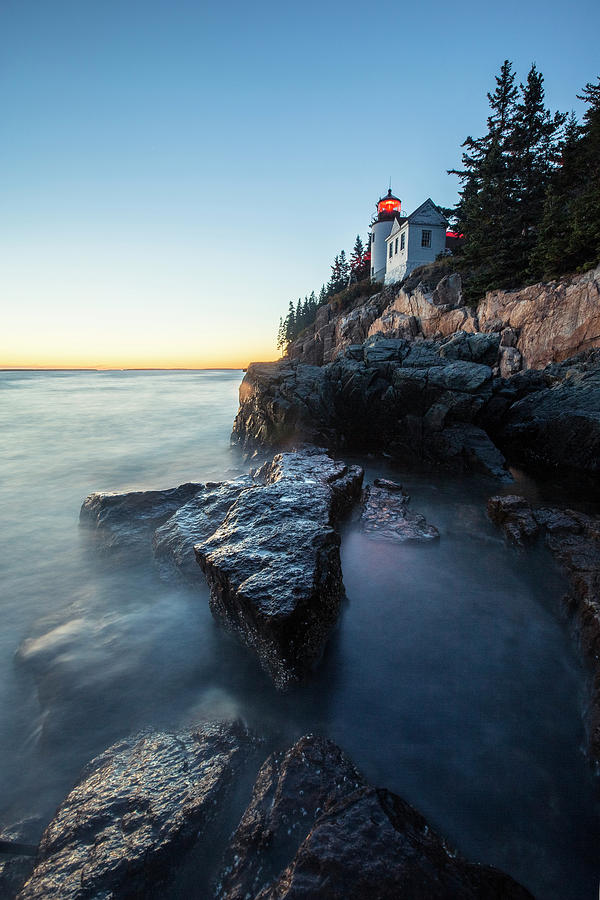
401	243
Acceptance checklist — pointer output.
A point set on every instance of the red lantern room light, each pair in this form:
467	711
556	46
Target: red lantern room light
388	205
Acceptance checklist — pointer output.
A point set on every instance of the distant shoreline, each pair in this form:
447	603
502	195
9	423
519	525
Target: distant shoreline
119	369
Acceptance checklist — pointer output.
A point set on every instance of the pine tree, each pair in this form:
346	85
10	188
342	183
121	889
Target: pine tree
344	270
485	211
356	260
290	323
535	148
280	334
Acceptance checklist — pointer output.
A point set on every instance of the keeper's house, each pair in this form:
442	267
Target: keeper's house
400	243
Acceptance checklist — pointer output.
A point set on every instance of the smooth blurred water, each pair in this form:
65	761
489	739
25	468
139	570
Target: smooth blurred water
451	678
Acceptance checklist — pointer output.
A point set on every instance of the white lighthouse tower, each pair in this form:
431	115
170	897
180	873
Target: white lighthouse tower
388	210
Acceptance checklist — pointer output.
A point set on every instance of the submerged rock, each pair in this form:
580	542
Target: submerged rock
315	828
273	566
18	848
574	540
386	515
138	810
127	520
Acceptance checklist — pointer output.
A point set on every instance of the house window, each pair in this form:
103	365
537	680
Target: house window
391	248
372	271
396	247
426	238
373	237
402	236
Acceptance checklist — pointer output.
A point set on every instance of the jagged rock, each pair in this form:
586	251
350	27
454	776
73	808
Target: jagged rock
314	828
550	418
137	812
574	540
386	515
173	543
511	361
273	566
403	398
292	789
478	347
127	520
411	401
553	321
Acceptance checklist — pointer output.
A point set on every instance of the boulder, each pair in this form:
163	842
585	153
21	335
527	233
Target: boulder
273	566
386	516
126	521
315	828
137	813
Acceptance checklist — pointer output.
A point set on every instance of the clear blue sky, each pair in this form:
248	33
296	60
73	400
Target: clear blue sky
174	172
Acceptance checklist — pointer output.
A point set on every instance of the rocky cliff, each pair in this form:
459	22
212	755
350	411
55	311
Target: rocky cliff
537	325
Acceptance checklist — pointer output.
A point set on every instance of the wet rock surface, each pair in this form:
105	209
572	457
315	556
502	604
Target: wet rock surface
127	520
173	542
417	403
386	516
138	810
574	540
273	566
315	828
292	790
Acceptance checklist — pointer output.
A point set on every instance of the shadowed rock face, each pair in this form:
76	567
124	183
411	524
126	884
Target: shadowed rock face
574	540
314	828
385	395
273	566
137	811
126	521
418	402
386	516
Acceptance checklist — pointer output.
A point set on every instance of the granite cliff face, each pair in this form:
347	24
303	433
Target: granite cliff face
433	402
537	325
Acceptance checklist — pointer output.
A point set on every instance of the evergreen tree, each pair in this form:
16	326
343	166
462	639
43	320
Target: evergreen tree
535	148
485	211
290	323
280	334
344	270
356	259
569	235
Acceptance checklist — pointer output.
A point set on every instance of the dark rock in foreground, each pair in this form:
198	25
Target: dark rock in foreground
314	828
147	819
126	521
574	540
386	516
273	566
138	810
291	791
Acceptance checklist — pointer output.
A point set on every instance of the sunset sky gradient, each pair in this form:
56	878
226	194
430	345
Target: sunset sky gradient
173	173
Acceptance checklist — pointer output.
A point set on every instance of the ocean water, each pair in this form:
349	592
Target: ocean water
451	678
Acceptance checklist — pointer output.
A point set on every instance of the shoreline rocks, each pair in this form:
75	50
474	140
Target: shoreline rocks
149	818
573	538
267	544
420	402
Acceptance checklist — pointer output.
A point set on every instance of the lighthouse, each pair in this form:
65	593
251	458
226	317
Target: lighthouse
388	211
